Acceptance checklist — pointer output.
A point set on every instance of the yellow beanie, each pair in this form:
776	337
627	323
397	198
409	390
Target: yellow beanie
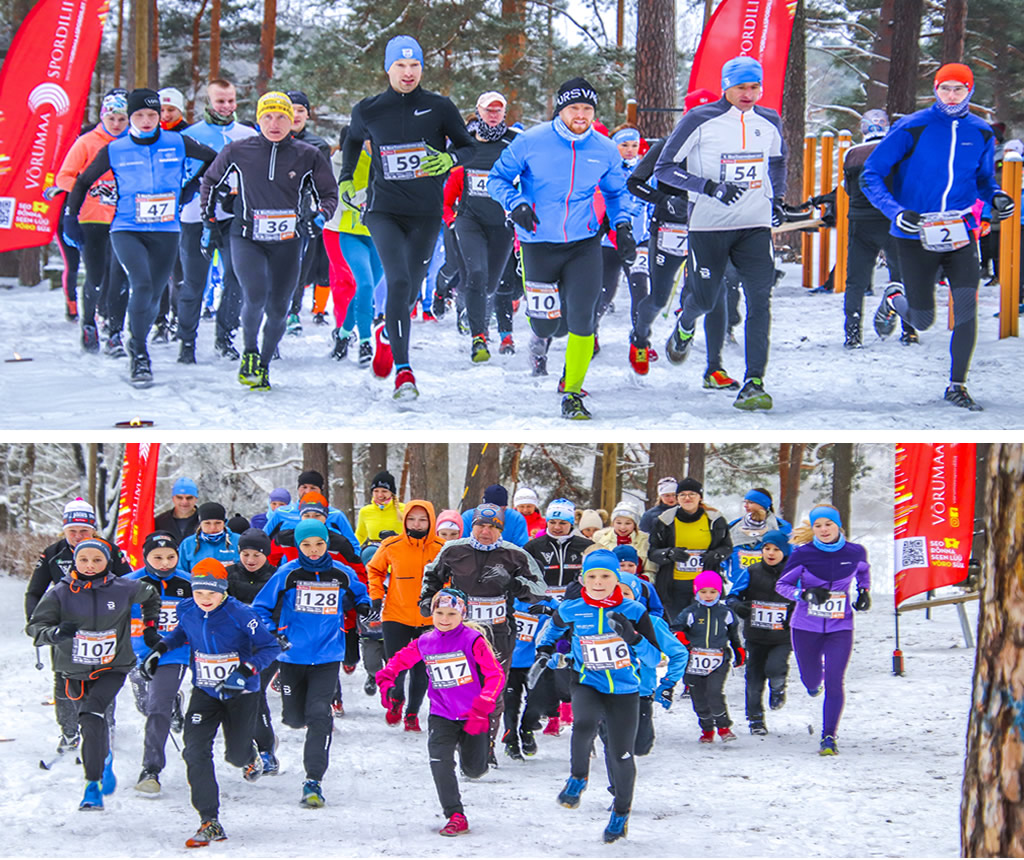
274	102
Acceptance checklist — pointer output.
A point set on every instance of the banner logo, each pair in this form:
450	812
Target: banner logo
50	94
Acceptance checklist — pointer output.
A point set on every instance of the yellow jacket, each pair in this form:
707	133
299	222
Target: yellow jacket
345	218
373	520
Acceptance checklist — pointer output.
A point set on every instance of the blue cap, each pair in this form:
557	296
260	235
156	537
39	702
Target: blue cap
368	552
280	494
741	70
759	498
184	487
626	552
826	512
309	528
402	48
633	581
778	538
600	559
625	134
561	509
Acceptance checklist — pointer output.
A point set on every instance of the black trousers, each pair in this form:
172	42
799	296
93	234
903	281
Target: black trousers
765	662
620	713
92	701
539	701
194	270
662	268
306	694
101	267
263	733
485	250
866	239
576	268
444	737
396	637
268	273
679	595
510	288
147	259
707	694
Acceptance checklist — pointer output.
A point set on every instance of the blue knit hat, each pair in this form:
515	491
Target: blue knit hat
310	528
94	543
826	512
184	487
778	538
280	494
600	559
741	70
402	48
626	552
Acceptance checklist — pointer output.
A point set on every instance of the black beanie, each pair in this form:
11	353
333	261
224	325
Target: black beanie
384	479
212	511
690	485
254	539
159	540
141	99
298	97
311	477
238	524
496	494
575	91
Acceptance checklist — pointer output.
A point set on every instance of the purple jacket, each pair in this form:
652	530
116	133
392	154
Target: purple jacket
810	567
461	669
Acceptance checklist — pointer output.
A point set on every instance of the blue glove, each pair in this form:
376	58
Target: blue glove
663	693
234	684
211	239
73	234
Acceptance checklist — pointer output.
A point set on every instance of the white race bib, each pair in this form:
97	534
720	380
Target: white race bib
834	607
943	231
768	616
745	169
542	300
448	670
672	239
168	619
211	669
604	651
555	591
476	183
273	225
487	610
704	661
320	598
93	648
526	626
640	263
403	160
155	208
693	565
748	557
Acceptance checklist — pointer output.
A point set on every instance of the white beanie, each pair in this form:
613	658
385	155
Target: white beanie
172	96
79	512
525	496
625	508
590	519
667	485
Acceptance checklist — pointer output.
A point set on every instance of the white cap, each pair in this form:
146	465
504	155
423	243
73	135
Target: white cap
490	97
561	509
172	96
525	496
667	484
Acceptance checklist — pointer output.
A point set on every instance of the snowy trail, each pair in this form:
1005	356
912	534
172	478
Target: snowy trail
893	791
816	384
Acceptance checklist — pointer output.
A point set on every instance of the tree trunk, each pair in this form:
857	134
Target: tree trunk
153	67
415	476
609	475
656	64
376	461
196	78
903	69
481	472
140	76
268	36
436	489
119	49
954	29
30	266
842	481
882	50
214	40
992	807
789	479
667	458
513	49
794	106
695	457
314	456
340	482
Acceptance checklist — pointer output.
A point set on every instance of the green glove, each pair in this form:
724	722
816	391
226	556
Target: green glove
348	194
437	162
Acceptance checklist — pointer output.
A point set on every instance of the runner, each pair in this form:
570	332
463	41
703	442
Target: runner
409	129
925	176
382	513
735	172
558	165
182	518
149	173
286	191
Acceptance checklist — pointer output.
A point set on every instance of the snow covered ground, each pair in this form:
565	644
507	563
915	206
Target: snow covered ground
816	384
893	791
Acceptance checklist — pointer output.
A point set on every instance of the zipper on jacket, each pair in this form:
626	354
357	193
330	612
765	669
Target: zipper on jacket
568	197
273	161
952	153
743	131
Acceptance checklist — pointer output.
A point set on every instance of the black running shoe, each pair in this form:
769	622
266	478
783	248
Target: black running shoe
142	373
528	741
262	382
753	396
776	698
539	365
187	353
319	319
341	344
90	338
161	332
115	347
249	372
958	396
854	340
224	347
909	336
365	353
573	408
679	342
886	316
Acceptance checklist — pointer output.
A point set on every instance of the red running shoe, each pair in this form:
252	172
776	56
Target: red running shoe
726	734
456	825
428	316
553	727
348	670
639	359
405	385
412	723
394	713
565	713
707	736
383	360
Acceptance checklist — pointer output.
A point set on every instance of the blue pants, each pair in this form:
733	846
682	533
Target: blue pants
361	256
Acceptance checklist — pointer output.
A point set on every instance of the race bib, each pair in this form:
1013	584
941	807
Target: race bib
557	592
403	160
691	567
448	670
768	616
168	618
542	300
640	263
526	626
604	651
320	598
94	648
672	239
943	231
211	669
745	169
273	225
704	661
476	183
834	607
749	557
155	208
487	610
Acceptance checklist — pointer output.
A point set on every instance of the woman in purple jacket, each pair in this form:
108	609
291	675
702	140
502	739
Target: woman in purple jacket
818	577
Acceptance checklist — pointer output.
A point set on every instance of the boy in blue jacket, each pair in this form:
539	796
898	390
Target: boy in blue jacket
229	649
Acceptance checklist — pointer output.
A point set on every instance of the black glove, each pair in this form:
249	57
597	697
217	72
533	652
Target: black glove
541	609
425	609
660	556
149	663
624	627
150	636
678	206
497	575
573	590
680	554
540	663
778	212
741	608
363	610
211	239
311	227
909	221
525	217
66	630
374	616
863	601
725	192
816	595
283	641
1002	205
625	243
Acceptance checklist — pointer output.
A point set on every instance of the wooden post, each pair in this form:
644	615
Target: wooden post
609	475
842	214
92	474
631	112
1009	250
807	239
828	141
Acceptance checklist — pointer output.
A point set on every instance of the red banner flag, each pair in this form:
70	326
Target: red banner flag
44	85
138	492
751	28
934	516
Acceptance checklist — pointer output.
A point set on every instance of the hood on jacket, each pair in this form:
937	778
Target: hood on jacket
429	508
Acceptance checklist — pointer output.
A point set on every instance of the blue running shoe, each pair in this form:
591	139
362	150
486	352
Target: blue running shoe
109	780
93	797
618	824
569	797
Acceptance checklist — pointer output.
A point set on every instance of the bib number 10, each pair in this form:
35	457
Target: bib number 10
542	300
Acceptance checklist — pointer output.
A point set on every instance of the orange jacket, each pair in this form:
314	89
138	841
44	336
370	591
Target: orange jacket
79	157
403	559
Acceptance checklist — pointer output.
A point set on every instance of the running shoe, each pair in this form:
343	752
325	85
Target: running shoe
828	746
383	360
142	373
508	346
405	385
909	336
456	826
209	831
573	408
312	794
223	346
726	734
478	351
639	359
114	346
679	342
721	381
618	824
958	396
341	344
854	339
886	316
569	797
365	354
187	353
753	396
90	338
294	325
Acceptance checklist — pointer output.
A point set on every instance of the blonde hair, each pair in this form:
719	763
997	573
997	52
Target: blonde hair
804	533
485	634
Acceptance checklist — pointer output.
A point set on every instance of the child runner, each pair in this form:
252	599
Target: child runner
710	628
235	647
624	530
610	636
449	525
466	680
765	629
304	604
212	539
530	616
818	576
87	618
